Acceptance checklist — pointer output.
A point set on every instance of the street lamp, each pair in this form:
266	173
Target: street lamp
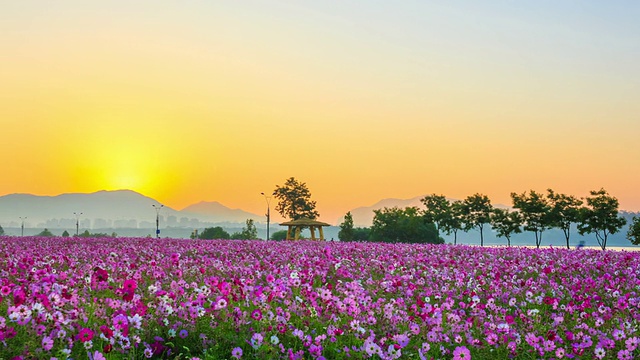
22	226
158	219
268	200
77	222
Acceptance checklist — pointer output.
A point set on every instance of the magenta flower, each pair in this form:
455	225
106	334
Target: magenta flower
624	355
236	353
47	343
461	353
85	334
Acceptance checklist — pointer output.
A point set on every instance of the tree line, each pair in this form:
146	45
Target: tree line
532	211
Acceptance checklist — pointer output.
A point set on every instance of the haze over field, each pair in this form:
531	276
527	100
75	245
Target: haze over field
185	102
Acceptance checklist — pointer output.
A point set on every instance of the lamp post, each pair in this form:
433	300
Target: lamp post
22	226
268	200
77	222
158	219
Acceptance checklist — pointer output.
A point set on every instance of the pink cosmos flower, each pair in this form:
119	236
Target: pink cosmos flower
461	353
85	334
624	355
129	285
47	343
236	353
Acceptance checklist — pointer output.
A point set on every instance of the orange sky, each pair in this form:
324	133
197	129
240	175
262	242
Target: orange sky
196	101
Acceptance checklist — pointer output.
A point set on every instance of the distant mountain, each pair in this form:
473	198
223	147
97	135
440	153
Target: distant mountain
119	204
216	212
110	206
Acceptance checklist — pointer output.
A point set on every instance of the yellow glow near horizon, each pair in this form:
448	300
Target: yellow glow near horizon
192	102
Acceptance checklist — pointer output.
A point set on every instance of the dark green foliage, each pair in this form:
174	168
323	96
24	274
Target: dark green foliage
46	233
506	223
1	230
403	225
214	233
249	232
600	216
361	234
65	233
634	231
535	210
294	200
346	232
565	210
279	235
87	234
437	209
454	222
447	216
476	212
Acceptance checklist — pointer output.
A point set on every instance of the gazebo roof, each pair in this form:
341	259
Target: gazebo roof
304	222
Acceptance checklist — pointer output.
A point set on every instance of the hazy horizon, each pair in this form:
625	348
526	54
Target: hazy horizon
189	102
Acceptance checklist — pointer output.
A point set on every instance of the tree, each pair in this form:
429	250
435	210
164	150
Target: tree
249	232
294	200
346	232
600	216
361	234
46	233
454	222
65	233
534	209
476	212
437	209
1	230
634	231
279	235
403	225
506	223
214	233
86	233
564	211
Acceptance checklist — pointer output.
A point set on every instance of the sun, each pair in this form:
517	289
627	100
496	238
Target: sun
122	165
125	180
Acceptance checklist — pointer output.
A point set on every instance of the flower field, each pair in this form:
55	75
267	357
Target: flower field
142	298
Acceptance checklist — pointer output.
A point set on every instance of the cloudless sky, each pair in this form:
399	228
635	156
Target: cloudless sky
219	101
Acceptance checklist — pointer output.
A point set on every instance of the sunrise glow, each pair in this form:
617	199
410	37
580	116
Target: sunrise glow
185	102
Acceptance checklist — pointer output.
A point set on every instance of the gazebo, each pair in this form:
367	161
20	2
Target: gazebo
302	223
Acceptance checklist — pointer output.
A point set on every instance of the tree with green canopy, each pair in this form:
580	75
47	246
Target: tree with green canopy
476	212
564	211
437	210
294	200
346	232
249	232
45	233
279	235
506	223
600	216
214	233
535	209
633	234
403	225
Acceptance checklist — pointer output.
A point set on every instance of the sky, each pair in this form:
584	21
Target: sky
220	101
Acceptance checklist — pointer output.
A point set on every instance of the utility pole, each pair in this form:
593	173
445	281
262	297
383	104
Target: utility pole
22	226
158	219
77	223
268	200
